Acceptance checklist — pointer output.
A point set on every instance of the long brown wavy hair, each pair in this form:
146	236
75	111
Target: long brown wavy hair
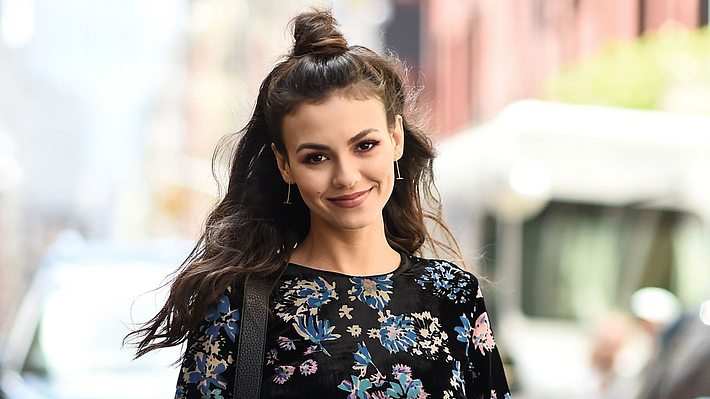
251	231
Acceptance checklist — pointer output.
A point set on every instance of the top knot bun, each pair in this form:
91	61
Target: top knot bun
315	33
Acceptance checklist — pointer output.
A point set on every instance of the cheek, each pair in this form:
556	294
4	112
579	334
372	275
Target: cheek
380	169
311	184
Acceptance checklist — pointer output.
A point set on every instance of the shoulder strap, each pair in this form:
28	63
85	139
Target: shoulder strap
252	339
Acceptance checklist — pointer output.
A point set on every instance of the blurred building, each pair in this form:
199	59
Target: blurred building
478	55
78	81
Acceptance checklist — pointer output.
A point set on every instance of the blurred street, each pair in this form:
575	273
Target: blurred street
574	156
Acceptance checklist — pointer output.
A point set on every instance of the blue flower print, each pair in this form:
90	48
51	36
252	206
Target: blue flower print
317	293
447	281
208	373
314	330
362	359
399	369
180	392
214	394
222	316
356	387
456	380
406	388
397	333
464	331
372	291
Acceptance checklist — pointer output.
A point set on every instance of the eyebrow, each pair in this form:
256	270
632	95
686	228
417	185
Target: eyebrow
321	147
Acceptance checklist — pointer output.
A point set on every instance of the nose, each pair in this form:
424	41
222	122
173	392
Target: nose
346	174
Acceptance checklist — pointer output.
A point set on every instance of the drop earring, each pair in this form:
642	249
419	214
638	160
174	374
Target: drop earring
288	195
399	175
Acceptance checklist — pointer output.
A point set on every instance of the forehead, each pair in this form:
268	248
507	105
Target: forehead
338	116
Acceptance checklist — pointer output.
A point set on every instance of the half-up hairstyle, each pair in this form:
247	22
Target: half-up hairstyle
251	230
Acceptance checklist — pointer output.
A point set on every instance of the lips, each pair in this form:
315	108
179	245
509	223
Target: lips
351	200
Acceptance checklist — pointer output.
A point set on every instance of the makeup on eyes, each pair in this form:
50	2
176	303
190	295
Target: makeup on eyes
308	158
322	147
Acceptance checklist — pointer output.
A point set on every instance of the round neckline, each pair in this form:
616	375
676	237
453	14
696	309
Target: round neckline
403	263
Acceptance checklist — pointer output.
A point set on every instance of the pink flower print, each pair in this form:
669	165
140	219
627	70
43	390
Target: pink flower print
378	379
311	349
309	367
283	373
482	334
272	356
399	369
286	343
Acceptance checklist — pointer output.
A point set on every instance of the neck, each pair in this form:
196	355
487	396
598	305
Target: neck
355	252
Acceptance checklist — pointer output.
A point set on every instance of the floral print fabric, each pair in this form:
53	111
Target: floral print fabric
421	331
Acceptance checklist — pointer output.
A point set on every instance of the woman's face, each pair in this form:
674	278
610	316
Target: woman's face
341	157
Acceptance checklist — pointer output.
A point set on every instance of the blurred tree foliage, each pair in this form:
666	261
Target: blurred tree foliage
636	74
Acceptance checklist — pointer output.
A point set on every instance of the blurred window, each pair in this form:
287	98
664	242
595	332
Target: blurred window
582	260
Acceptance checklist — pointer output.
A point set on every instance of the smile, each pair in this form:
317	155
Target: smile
351	200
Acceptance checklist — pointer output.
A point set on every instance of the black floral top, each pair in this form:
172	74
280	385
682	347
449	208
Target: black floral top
421	331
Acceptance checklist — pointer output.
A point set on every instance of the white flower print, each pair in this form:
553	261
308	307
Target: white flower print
302	297
373	333
354	330
432	340
344	311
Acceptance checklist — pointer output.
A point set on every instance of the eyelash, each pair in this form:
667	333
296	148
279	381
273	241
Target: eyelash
373	144
309	159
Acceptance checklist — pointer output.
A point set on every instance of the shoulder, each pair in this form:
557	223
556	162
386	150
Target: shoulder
430	265
445	278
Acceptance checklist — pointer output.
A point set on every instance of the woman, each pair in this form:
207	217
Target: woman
324	200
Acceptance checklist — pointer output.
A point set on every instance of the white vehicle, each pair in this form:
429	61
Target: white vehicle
569	209
66	339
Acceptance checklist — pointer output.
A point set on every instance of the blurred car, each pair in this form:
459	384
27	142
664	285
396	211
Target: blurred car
66	341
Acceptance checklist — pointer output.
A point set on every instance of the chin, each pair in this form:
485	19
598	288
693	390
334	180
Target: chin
351	219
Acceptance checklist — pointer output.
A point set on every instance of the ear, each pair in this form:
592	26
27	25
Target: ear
282	163
397	135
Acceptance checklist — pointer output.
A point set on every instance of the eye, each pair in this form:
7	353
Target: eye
315	158
367	145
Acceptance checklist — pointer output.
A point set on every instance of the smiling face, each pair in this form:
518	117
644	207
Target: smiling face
340	155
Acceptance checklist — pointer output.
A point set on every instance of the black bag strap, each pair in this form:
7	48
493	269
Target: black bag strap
252	339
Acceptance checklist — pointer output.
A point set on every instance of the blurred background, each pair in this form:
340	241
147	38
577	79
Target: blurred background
574	164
